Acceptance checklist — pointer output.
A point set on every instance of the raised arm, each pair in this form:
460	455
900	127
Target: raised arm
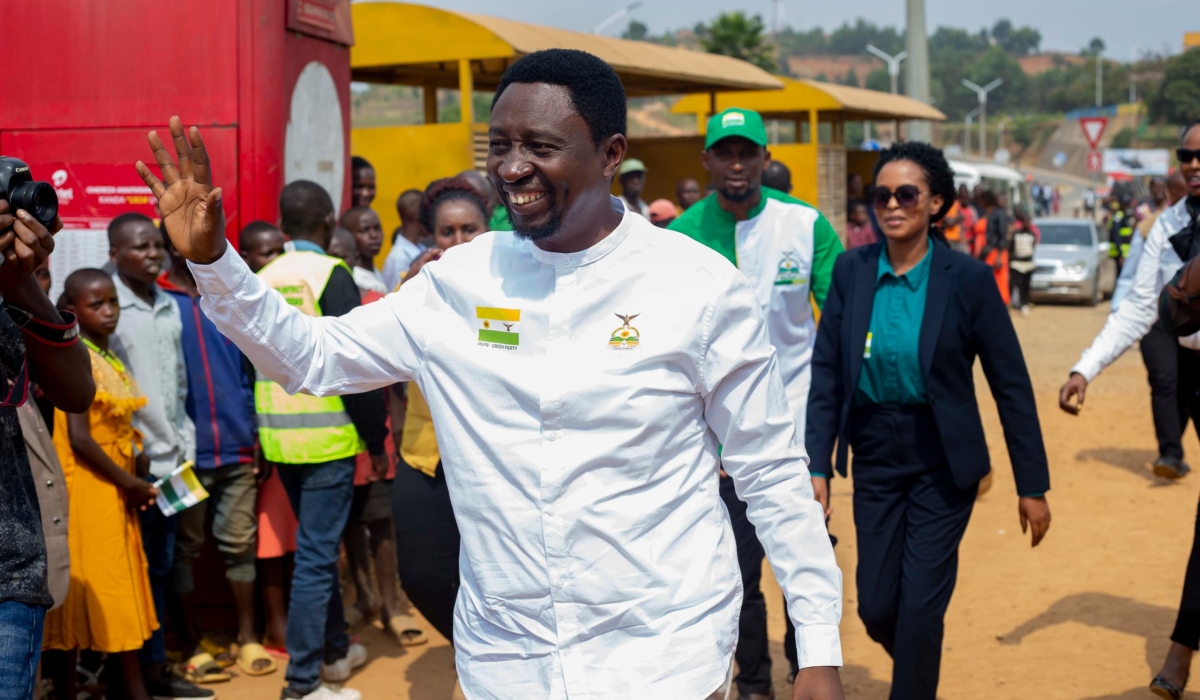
58	361
363	350
747	409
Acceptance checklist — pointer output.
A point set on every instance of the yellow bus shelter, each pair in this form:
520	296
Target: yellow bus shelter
818	158
431	48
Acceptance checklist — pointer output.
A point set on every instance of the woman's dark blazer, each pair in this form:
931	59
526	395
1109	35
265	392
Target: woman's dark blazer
964	318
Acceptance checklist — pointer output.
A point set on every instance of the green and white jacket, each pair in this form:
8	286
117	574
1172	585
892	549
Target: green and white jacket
786	249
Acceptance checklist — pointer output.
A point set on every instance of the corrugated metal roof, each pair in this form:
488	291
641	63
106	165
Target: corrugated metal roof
803	95
415	44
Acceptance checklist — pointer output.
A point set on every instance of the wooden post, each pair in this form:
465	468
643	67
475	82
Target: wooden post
429	96
466	88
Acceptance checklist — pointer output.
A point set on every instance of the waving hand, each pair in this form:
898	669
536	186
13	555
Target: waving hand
190	205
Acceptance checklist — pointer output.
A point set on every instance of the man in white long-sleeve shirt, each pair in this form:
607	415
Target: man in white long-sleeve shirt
581	374
1138	311
1174	239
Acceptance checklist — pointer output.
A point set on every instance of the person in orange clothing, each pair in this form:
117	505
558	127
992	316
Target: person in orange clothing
991	239
109	606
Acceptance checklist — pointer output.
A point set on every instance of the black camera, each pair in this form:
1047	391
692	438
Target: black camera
18	187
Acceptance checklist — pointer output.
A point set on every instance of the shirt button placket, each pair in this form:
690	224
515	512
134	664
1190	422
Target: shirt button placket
556	453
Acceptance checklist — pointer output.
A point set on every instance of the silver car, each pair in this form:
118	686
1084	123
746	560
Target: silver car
1073	262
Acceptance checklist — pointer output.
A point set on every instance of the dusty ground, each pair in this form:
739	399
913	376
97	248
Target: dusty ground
1086	616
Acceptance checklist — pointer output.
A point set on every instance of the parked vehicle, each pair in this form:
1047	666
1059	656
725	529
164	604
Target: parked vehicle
1072	262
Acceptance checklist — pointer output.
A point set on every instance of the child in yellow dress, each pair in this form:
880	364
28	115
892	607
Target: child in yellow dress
109	607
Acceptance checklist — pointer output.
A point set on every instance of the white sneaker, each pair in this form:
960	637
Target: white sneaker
340	670
326	692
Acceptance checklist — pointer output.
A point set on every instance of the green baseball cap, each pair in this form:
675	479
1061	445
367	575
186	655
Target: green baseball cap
631	165
736	121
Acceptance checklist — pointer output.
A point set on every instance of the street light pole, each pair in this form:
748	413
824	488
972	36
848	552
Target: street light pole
616	16
916	41
1099	80
982	92
893	68
967	131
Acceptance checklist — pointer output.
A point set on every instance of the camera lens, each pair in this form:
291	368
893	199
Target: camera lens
37	198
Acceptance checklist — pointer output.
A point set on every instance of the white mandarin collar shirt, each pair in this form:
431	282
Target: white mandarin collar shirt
579	400
1137	312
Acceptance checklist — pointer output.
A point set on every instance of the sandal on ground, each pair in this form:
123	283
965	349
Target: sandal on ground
203	668
220	653
251	654
355	618
406	631
1164	688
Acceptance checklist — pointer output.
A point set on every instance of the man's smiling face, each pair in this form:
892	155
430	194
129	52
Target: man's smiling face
542	159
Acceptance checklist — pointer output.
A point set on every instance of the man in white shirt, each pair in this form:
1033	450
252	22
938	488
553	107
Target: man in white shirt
581	375
406	239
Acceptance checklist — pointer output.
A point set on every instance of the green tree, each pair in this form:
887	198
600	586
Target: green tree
1123	138
852	39
879	79
1094	47
953	39
850	78
636	31
802	43
1024	133
740	36
1021	41
1178	98
821	77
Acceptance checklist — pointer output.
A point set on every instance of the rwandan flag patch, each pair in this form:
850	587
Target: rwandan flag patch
497	327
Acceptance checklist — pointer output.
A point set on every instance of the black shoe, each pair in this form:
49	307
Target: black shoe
171	686
1171	468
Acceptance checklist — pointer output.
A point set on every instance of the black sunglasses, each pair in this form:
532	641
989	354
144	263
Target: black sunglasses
1187	155
907	196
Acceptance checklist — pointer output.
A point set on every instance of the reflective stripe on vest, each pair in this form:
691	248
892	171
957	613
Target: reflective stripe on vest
300	428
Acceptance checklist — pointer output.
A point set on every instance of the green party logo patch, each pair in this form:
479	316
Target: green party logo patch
496	327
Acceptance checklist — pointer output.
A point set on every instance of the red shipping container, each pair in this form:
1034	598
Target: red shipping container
267	82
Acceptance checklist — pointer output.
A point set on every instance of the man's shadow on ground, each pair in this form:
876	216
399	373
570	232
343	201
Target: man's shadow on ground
1125	615
1130	459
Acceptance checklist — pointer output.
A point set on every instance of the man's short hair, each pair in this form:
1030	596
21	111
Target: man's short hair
79	280
351	216
358	163
254	229
117	225
410	200
303	207
596	91
777	176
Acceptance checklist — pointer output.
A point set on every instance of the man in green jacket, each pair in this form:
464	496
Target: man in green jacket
786	249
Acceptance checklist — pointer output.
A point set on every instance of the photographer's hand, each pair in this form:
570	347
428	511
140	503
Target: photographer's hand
190	205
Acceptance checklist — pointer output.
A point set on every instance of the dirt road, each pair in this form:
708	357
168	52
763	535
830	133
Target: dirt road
1086	616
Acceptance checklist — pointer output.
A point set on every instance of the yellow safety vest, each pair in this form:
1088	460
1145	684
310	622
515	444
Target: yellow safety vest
301	428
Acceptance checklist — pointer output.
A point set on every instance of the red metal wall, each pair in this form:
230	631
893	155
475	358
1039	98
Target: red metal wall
85	88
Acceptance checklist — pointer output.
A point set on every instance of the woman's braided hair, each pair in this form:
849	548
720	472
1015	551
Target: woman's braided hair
444	190
938	173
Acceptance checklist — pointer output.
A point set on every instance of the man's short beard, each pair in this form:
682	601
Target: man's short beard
739	198
539	233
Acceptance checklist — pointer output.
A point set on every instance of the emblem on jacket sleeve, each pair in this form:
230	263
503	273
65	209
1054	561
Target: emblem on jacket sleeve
626	337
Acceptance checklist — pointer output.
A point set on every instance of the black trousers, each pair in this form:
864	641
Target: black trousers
909	517
1174	374
753	654
1187	624
427	543
1021	284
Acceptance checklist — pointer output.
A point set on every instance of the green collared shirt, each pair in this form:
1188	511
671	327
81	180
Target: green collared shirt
891	368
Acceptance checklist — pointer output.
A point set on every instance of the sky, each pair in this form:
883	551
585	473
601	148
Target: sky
1128	27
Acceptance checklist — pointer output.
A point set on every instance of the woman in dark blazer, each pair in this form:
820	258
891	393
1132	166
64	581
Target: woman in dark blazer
892	379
